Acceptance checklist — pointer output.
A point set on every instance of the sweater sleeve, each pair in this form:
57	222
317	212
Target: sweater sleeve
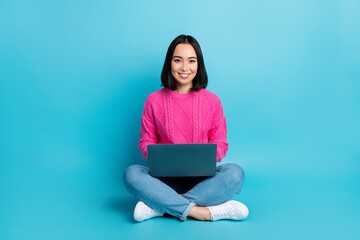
148	130
218	132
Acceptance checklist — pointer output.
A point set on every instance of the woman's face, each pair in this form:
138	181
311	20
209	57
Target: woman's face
184	65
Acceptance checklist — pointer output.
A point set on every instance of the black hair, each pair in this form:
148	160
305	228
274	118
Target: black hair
168	81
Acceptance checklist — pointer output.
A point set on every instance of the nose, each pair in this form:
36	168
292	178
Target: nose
184	66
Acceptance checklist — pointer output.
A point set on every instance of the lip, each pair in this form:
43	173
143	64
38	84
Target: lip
184	75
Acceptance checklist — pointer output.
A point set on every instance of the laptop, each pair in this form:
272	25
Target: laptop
182	160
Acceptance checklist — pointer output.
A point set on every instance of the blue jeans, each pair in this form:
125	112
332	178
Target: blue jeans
177	196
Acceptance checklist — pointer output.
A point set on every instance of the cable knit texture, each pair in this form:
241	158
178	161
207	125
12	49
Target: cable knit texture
194	117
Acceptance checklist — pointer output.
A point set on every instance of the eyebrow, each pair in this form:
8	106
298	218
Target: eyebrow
181	57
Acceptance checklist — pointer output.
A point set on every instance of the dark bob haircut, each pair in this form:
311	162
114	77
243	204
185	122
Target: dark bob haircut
168	81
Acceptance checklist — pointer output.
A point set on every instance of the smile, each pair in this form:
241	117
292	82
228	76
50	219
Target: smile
183	75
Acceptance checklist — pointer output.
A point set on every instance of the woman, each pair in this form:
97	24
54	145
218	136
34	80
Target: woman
184	112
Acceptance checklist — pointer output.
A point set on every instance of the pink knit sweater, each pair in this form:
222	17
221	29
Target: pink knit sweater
194	117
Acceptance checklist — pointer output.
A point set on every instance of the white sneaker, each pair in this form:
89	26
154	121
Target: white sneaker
143	212
232	210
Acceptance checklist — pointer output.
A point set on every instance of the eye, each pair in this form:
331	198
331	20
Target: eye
192	61
177	60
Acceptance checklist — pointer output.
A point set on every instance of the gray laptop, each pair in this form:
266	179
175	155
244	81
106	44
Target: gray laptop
182	160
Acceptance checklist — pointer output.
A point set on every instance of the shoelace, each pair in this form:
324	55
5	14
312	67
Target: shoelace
225	213
151	211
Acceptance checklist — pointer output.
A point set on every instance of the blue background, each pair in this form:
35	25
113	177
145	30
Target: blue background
74	76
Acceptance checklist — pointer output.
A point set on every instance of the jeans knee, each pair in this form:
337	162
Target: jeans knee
235	174
131	174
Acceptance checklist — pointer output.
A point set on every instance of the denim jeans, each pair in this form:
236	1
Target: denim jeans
177	196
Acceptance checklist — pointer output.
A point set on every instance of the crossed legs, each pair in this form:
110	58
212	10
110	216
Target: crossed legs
159	196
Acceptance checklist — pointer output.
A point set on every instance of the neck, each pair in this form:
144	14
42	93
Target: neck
183	89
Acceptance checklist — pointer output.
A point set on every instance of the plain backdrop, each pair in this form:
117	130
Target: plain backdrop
74	76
